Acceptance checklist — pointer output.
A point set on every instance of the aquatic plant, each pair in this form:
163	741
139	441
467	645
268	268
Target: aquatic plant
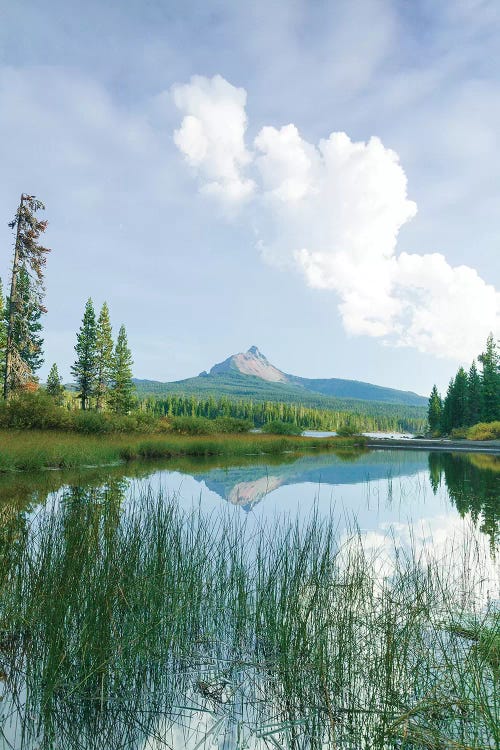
150	624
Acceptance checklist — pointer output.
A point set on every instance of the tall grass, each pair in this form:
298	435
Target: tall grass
179	629
34	450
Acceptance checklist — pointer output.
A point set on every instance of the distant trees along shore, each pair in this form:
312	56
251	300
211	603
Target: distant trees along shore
472	397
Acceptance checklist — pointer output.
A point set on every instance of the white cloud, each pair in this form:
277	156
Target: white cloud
451	310
334	212
453	546
212	135
287	164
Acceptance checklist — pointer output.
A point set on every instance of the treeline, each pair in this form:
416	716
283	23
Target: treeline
261	413
102	368
472	397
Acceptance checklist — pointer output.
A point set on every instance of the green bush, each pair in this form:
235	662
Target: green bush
192	425
232	424
92	422
346	431
34	411
459	433
484	431
281	428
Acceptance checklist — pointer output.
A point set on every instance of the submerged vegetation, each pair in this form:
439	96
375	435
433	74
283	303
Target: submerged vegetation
121	626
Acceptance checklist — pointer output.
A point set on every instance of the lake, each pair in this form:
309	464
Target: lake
321	600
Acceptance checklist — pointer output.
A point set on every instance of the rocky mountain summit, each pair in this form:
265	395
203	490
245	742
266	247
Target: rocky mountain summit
251	362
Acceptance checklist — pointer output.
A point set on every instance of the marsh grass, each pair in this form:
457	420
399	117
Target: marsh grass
34	450
181	629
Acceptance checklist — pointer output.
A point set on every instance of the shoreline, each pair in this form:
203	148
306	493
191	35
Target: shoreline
438	444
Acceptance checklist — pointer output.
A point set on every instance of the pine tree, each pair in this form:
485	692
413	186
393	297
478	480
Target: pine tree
448	408
54	385
459	409
474	395
29	260
85	366
121	394
26	328
104	356
434	410
490	382
3	333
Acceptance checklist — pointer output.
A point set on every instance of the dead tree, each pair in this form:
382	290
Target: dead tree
32	257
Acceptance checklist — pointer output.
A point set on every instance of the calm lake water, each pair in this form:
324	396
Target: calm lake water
84	662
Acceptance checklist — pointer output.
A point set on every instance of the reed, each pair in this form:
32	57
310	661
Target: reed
123	626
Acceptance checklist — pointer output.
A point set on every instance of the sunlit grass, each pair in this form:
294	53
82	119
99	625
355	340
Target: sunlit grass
34	450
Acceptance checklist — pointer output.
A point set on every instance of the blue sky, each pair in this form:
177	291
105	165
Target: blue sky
217	212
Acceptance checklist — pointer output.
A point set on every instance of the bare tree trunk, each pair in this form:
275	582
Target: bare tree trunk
12	303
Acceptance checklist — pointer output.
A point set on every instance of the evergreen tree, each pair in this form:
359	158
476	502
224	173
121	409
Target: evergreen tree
448	408
28	261
3	333
434	410
85	366
490	382
121	393
54	385
459	408
104	356
26	328
474	395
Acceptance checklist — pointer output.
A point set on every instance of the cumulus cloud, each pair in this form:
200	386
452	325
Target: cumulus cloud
212	135
452	545
333	211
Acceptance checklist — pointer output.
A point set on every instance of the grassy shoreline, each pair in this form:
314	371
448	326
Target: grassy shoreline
32	450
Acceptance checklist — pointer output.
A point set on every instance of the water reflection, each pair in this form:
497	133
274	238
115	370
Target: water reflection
248	485
468	482
473	484
157	628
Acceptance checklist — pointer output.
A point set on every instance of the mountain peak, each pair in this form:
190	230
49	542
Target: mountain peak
251	362
254	350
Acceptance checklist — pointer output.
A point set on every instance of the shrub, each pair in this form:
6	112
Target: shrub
484	431
144	422
33	411
192	425
92	422
232	424
459	433
281	428
346	430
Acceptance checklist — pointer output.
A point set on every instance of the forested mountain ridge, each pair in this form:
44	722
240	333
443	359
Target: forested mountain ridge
250	375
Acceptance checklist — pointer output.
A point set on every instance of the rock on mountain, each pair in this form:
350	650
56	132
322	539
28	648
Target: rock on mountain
251	362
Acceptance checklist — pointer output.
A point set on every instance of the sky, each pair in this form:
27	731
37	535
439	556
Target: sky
319	179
